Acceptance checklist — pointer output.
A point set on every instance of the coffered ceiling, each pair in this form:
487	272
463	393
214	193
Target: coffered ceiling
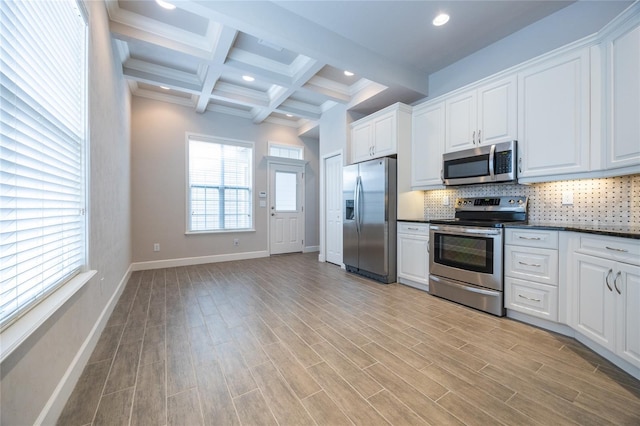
296	51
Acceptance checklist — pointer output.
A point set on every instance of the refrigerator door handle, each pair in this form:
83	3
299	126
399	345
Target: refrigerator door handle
357	204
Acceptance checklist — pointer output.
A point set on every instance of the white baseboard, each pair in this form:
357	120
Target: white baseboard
54	406
311	249
187	261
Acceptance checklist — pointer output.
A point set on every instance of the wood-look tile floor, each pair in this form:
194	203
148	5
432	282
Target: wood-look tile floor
287	340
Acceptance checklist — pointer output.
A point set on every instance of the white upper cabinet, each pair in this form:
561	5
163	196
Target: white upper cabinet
484	115
622	94
378	134
553	116
427	145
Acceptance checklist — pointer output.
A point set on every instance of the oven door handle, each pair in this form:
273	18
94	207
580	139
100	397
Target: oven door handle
458	230
461	286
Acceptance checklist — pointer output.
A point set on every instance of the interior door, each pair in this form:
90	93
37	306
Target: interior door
286	208
333	209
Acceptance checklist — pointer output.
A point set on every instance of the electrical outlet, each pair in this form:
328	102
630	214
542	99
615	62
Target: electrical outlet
236	242
445	200
156	247
567	198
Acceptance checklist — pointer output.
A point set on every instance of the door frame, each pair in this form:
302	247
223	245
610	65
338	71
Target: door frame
323	203
282	161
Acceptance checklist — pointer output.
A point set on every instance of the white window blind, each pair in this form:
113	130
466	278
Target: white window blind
220	184
42	148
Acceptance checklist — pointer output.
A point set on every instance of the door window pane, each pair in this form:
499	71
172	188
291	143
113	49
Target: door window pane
286	191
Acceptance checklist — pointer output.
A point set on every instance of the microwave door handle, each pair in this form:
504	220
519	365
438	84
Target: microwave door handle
492	155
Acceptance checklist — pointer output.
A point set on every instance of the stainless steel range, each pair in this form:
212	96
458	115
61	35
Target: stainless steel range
466	253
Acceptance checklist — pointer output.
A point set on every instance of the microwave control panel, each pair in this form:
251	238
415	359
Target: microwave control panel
503	162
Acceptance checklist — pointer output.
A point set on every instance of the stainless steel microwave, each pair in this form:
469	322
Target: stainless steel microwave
484	164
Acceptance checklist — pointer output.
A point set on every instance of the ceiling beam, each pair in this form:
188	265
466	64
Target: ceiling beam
307	69
223	45
267	20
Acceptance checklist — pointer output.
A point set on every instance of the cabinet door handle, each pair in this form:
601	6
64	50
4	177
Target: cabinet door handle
529	298
473	137
519	164
615	282
616	249
530	238
529	264
606	280
413	229
479	138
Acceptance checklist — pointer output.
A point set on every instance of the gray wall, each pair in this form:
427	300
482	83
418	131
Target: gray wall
572	23
30	375
159	180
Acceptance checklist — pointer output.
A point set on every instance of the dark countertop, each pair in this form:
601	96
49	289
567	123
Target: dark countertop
600	229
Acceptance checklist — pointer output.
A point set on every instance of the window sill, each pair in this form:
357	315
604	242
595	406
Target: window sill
221	231
19	331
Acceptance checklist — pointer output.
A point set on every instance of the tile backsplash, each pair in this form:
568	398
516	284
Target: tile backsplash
610	201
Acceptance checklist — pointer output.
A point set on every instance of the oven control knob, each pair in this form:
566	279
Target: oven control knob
511	201
520	201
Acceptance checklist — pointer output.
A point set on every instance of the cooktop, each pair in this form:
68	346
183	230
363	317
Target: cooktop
490	212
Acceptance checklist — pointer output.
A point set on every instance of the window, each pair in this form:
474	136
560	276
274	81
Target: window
286	151
220	184
42	149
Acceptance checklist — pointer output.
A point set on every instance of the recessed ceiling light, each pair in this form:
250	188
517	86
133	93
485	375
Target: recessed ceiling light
164	87
441	19
166	4
348	73
289	115
247	78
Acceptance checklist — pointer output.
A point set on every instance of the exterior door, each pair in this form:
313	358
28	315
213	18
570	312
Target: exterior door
333	209
286	208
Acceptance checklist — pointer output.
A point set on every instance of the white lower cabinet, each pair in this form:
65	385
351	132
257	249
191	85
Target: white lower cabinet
531	272
539	300
413	254
606	296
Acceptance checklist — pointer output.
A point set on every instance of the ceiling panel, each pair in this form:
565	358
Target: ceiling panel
297	51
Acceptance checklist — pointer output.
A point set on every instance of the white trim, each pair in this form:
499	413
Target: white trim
54	406
187	261
311	249
22	328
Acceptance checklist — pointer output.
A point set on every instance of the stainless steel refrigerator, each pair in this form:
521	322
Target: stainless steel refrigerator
369	212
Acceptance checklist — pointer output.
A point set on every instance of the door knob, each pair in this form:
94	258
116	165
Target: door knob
273	214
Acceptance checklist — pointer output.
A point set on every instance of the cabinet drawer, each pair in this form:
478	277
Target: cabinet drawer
413	228
531	298
534	264
621	249
532	238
